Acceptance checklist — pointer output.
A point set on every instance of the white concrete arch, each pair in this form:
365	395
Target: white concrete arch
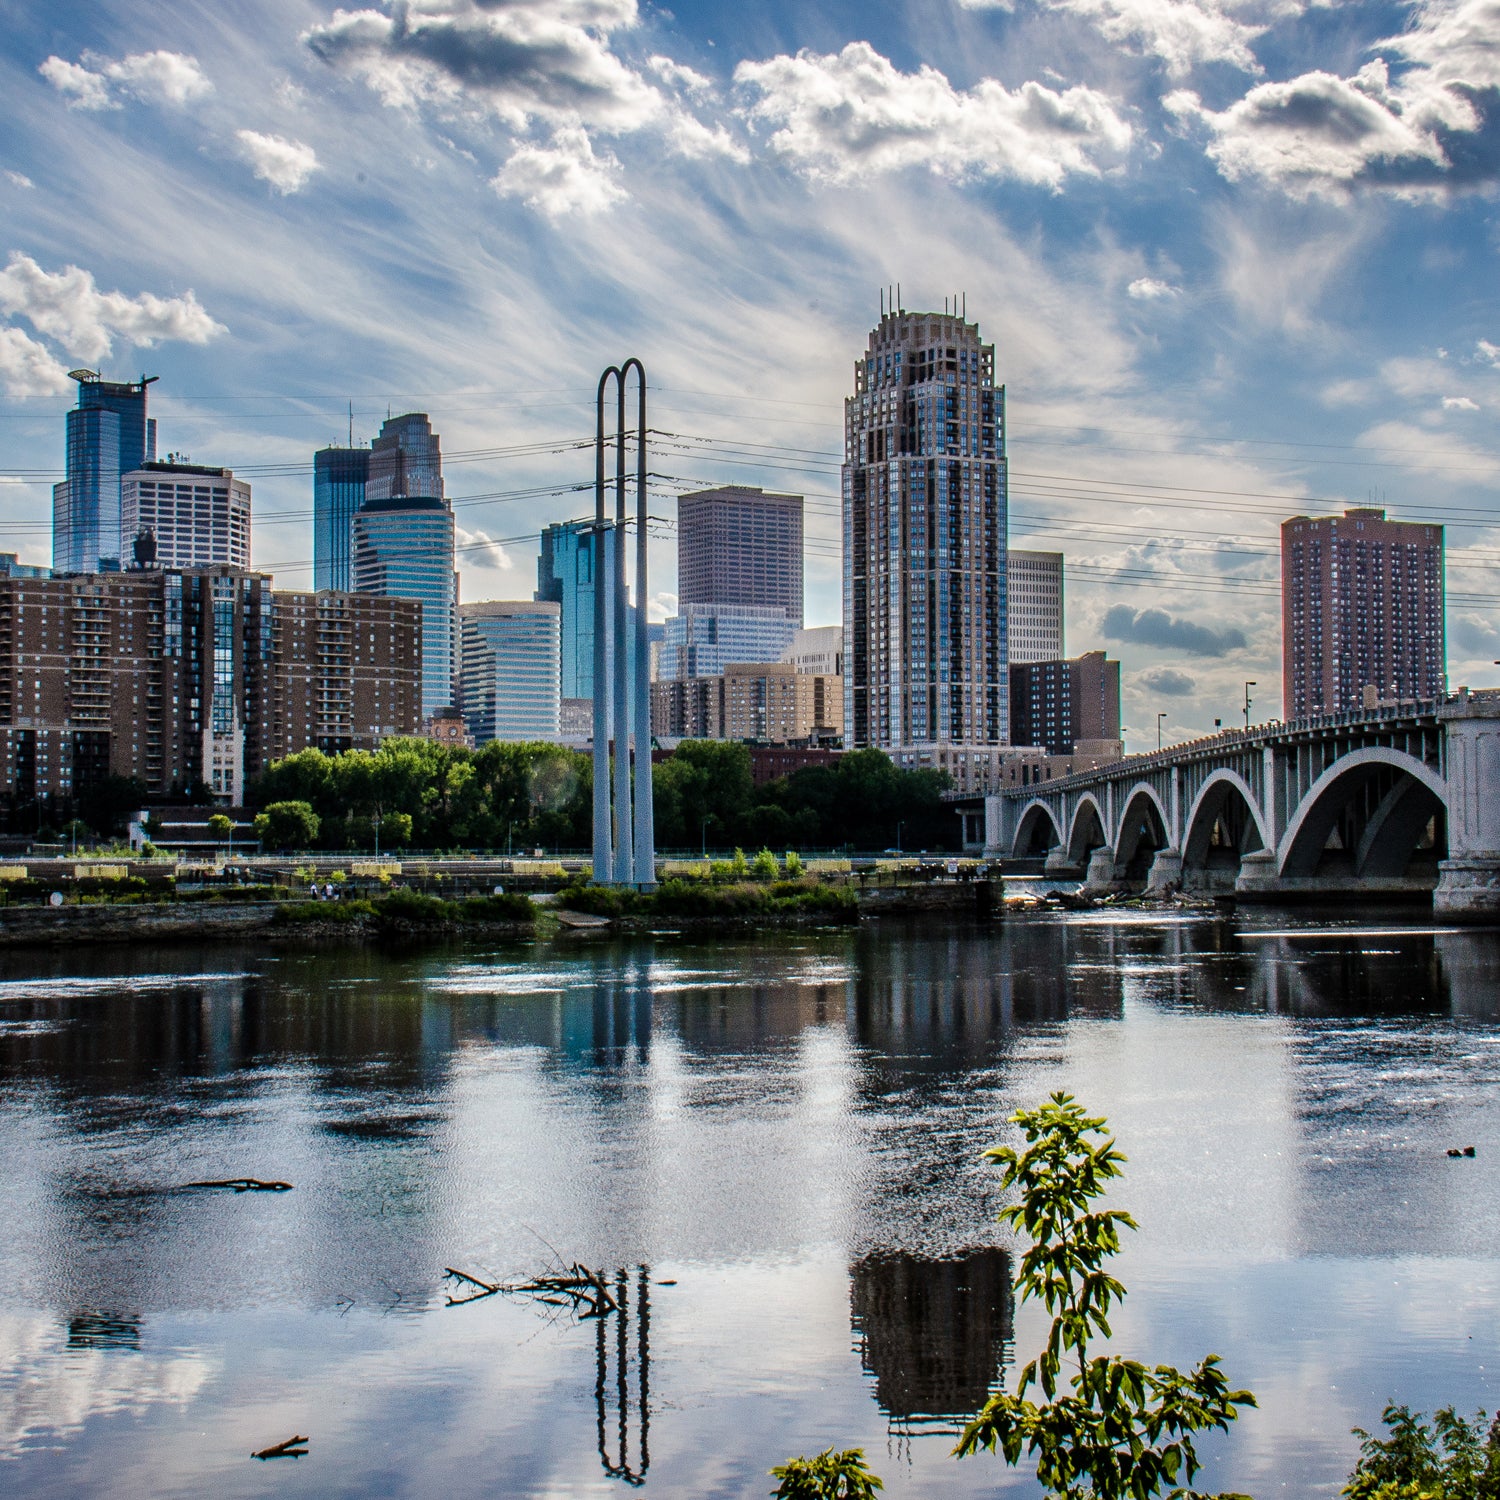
1314	810
1193	852
1125	836
1025	823
1086	811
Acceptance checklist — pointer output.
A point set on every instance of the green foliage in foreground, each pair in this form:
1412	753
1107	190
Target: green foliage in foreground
1454	1459
1117	1430
1120	1431
702	898
829	1476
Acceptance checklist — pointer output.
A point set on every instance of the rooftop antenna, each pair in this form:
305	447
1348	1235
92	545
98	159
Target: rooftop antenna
899	308
351	424
966	307
882	302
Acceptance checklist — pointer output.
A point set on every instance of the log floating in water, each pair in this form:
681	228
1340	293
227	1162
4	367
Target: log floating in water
578	1287
289	1449
242	1185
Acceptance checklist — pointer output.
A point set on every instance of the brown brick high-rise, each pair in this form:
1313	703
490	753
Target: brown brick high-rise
1362	605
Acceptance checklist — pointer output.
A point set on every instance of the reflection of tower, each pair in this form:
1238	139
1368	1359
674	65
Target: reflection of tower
616	1362
933	1333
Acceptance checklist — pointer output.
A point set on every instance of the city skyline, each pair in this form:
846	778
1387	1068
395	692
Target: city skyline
1183	304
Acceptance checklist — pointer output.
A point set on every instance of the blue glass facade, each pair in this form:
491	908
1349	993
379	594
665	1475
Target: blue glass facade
339	481
705	638
403	549
108	434
565	576
510	670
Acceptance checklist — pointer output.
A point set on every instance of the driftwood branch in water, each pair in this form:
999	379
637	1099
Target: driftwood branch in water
288	1449
242	1185
577	1287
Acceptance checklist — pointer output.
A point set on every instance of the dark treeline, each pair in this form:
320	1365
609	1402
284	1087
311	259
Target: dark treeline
519	796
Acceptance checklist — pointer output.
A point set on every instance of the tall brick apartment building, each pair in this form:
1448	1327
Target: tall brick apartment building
192	677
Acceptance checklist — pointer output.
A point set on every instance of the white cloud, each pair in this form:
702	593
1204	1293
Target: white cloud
522	60
563	178
481	550
844	114
986	4
1149	289
1320	133
18	179
67	306
1182	33
171	78
690	137
28	368
1488	351
1459	403
679	76
285	165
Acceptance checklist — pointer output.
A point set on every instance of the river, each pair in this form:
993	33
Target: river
771	1147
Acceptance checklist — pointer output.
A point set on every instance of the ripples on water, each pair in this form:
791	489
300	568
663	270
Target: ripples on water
771	1147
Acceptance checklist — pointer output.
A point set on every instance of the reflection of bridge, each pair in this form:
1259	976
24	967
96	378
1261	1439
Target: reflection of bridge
1399	799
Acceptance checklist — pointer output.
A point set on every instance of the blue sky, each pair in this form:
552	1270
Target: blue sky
1238	259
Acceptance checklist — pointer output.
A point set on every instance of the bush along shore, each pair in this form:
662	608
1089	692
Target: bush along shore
733	902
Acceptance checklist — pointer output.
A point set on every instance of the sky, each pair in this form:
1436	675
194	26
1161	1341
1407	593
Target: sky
1239	260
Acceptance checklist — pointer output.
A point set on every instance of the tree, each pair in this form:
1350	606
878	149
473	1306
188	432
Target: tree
1125	1431
287	825
1454	1459
221	827
829	1476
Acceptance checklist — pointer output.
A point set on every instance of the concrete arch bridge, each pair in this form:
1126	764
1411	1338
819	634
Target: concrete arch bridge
1396	801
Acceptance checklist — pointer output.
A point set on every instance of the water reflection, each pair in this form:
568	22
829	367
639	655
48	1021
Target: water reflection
622	1380
934	1333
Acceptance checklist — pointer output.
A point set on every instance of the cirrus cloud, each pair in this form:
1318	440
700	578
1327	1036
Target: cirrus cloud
285	165
840	115
171	78
67	306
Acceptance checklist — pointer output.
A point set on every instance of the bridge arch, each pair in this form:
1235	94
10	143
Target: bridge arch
1364	817
1037	831
1224	824
1143	833
1086	832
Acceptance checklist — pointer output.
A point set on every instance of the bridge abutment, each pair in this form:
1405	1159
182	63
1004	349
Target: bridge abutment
1468	887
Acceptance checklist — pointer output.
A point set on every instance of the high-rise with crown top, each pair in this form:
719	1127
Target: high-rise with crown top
402	544
924	515
108	435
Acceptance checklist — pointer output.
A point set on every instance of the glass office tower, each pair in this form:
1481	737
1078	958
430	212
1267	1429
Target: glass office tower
108	434
510	674
402	545
339	479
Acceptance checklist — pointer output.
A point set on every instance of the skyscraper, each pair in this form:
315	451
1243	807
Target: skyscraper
402	544
1062	705
510	672
1034	606
339	480
702	639
195	516
924	516
565	577
1362	606
740	545
108	434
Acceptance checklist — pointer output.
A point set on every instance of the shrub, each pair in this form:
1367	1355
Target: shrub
793	864
1454	1459
829	1476
763	866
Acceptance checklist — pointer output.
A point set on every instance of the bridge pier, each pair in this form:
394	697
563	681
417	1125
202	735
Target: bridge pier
1103	874
1166	872
1058	865
1468	887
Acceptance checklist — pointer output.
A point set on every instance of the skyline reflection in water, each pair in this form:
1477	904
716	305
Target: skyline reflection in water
770	1148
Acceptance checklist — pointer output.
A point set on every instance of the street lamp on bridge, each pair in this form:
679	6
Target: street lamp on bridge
1248	701
1162	715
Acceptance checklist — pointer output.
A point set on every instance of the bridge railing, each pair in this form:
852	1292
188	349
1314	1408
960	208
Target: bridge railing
1274	731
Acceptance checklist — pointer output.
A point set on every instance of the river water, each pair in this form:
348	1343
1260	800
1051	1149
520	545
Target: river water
771	1148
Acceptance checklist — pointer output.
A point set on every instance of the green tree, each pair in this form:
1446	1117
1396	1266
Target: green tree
221	827
1454	1459
1123	1431
829	1476
287	825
